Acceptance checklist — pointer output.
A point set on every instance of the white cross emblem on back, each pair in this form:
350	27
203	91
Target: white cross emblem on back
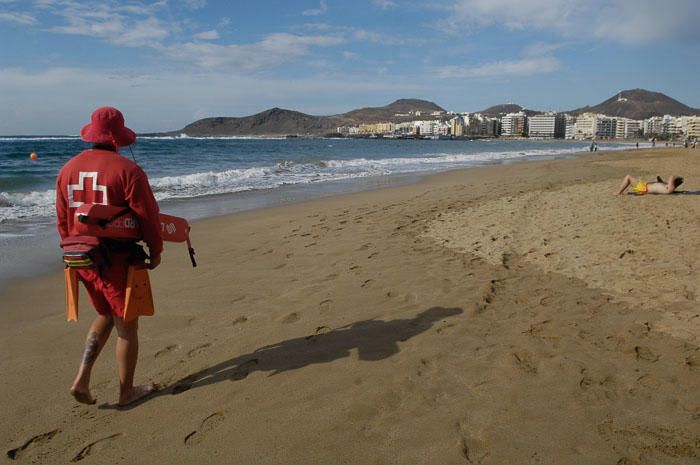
81	187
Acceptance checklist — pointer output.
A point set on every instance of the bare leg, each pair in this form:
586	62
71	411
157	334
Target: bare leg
626	183
97	336
127	356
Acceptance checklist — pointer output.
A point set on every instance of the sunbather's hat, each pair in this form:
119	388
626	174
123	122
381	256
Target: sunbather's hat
107	127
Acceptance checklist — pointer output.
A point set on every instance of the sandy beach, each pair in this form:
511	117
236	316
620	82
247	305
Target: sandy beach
511	314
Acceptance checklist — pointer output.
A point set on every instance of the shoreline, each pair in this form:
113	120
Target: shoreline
29	255
468	316
45	255
26	256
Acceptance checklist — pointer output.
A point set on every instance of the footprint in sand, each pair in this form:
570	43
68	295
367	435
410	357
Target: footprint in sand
208	424
94	446
693	362
597	389
372	255
239	320
474	449
291	318
38	440
166	350
324	306
366	283
198	350
524	361
243	370
645	353
444	327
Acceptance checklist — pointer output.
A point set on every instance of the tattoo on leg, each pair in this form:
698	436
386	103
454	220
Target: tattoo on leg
90	352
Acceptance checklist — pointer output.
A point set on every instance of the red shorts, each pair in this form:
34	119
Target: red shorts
107	289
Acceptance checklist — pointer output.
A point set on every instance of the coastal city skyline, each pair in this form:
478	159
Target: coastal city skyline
168	63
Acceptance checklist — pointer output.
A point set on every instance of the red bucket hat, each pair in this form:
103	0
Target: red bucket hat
107	127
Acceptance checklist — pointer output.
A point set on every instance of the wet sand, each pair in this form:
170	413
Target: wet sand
516	314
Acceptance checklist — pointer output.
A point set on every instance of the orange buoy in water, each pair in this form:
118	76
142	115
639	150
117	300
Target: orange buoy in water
33	156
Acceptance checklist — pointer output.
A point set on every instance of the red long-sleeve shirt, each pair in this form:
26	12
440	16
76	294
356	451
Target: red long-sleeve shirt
107	178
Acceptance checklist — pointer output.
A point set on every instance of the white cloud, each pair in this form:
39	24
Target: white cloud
207	35
24	19
322	9
274	49
128	25
501	69
365	35
625	21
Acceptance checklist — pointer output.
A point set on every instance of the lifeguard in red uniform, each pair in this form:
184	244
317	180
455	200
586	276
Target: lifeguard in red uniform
102	176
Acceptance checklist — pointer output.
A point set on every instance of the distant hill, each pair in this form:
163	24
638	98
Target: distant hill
639	104
635	104
275	121
388	112
278	121
500	110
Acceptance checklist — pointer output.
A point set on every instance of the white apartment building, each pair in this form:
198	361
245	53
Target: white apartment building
694	127
585	126
548	125
348	130
442	128
605	127
628	128
667	125
569	127
513	124
426	128
679	127
652	126
457	126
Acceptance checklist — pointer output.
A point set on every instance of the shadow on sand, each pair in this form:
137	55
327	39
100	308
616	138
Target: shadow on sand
373	339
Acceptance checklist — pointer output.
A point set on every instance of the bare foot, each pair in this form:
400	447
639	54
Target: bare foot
84	397
137	393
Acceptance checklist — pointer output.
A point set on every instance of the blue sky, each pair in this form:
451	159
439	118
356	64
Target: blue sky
167	63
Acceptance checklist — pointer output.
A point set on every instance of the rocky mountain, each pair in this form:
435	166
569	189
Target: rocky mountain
278	121
635	104
500	110
639	104
389	112
275	121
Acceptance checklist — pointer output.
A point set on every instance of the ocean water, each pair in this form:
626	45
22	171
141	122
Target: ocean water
199	177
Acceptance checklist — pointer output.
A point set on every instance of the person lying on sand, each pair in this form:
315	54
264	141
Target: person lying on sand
640	187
